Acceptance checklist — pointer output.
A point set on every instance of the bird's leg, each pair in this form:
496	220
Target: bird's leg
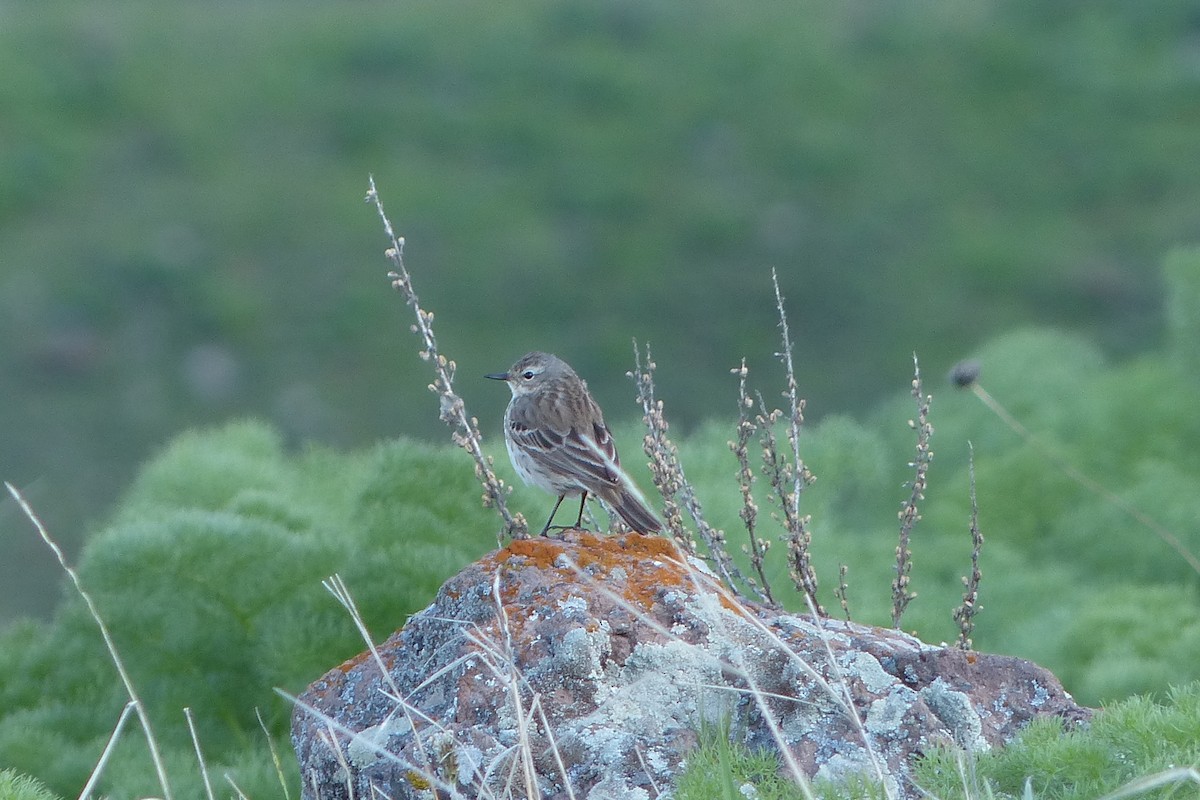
552	513
579	522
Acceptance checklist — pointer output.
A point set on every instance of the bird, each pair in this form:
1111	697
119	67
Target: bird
557	441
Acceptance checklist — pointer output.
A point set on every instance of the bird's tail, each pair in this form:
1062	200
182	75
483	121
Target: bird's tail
633	510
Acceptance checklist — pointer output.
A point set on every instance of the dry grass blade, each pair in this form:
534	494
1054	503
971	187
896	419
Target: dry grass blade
512	678
841	696
502	663
237	789
151	740
649	773
789	758
287	794
438	770
557	753
336	729
101	762
466	433
191	724
337	587
848	702
1147	783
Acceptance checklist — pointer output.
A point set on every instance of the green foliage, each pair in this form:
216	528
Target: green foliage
1182	274
719	769
14	786
183	240
209	579
208	572
1132	739
131	772
1071	579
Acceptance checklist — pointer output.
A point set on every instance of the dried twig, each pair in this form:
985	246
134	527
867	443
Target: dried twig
126	681
465	428
909	511
964	615
757	548
965	375
840	592
191	724
664	458
673	485
789	479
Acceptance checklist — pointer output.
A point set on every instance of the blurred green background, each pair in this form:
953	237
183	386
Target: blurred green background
182	237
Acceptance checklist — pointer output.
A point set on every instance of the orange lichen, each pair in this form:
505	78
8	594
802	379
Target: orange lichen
540	552
346	666
650	564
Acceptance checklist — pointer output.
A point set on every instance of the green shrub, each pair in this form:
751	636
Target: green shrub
14	786
209	579
209	572
1133	739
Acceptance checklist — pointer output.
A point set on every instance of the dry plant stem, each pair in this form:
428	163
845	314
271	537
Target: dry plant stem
502	663
410	714
513	679
102	762
151	741
705	582
757	548
229	779
778	472
1083	480
910	511
663	463
337	587
848	700
777	734
649	774
453	410
668	476
1148	783
335	728
842	696
964	615
287	795
343	762
840	592
191	724
799	538
558	760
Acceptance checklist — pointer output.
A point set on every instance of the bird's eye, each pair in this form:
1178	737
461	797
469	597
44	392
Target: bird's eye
527	374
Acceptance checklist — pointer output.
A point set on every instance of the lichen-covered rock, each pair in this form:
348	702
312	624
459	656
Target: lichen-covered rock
593	661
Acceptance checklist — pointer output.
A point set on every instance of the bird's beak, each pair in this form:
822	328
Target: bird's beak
498	376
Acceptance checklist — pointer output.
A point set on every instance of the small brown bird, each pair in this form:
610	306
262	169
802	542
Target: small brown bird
558	441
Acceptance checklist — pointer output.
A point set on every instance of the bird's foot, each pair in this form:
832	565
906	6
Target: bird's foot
546	530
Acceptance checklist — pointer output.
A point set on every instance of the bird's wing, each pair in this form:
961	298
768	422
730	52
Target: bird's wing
587	457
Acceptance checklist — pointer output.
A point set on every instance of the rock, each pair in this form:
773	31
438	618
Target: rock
593	661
